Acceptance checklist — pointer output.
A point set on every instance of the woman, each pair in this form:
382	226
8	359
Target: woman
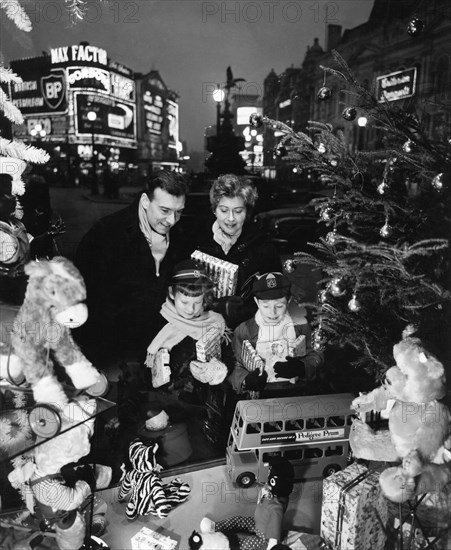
235	239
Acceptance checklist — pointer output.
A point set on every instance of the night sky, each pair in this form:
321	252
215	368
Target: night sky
190	42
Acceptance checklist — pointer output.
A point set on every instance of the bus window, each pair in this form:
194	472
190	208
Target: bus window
273	426
253	428
293	425
294	454
334	451
313	452
268	456
334	421
314	423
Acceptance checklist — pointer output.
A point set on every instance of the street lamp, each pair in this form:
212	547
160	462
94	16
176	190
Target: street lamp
38	131
218	96
92	116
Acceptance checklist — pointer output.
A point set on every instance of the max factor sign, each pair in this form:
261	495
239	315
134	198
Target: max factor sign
77	54
395	86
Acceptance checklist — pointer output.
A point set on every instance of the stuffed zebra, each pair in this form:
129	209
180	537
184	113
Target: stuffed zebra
147	493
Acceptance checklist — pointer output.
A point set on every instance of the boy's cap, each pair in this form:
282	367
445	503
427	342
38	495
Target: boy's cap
189	272
271	286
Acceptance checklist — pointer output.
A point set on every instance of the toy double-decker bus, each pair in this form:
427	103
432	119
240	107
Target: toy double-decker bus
312	432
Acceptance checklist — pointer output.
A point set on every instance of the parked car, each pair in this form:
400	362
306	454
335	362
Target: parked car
291	228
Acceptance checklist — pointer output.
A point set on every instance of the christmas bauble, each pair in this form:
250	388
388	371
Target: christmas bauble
318	339
331	237
437	182
336	287
322	296
327	214
324	93
280	151
256	120
386	230
415	27
408	146
382	188
289	266
354	304
349	113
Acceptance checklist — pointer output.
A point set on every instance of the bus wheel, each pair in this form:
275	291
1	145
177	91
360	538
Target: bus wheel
246	479
331	469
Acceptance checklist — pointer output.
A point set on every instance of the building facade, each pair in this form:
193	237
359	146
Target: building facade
89	113
413	71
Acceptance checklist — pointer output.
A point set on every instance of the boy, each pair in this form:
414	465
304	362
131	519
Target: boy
272	334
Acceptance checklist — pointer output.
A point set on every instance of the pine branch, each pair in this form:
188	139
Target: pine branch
18	149
17	14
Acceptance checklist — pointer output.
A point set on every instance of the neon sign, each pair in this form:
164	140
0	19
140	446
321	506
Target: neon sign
81	52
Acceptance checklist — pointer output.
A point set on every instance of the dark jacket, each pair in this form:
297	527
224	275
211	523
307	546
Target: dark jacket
253	253
248	330
124	295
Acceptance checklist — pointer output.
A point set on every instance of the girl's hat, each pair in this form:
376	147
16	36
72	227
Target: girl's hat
189	272
271	286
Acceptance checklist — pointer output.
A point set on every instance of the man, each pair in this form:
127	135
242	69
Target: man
126	259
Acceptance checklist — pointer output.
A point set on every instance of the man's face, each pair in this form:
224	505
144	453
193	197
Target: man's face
164	210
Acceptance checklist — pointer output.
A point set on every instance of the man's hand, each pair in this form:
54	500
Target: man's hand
255	381
294	366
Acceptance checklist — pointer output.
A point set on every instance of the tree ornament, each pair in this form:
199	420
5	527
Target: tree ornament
382	188
336	287
349	113
415	27
321	148
324	93
354	304
408	146
327	213
289	265
438	183
318	339
256	120
280	151
386	230
322	296
331	237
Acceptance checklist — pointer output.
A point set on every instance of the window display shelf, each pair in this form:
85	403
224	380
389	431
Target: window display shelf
25	424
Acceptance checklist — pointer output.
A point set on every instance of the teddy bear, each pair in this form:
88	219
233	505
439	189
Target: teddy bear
419	426
56	504
264	530
147	493
53	305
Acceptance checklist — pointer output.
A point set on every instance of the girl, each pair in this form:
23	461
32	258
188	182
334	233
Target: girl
189	322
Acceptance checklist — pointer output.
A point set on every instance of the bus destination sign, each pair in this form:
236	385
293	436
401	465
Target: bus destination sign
307	436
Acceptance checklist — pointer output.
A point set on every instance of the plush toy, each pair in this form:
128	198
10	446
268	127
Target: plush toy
419	425
148	494
264	530
54	502
53	305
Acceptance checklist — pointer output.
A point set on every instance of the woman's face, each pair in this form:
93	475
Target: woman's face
231	214
188	307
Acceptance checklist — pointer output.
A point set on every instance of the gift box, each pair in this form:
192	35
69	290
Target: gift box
161	372
354	511
148	539
209	345
223	274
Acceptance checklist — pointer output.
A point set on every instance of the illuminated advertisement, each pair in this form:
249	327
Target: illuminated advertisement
43	89
79	53
397	85
172	113
243	114
114	118
153	112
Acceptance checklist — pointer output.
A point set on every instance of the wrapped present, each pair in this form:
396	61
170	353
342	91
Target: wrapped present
161	371
148	539
354	511
209	345
223	274
298	347
251	360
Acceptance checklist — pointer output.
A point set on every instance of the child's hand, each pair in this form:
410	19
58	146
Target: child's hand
292	367
255	381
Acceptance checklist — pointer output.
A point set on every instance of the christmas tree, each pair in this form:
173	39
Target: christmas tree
385	259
